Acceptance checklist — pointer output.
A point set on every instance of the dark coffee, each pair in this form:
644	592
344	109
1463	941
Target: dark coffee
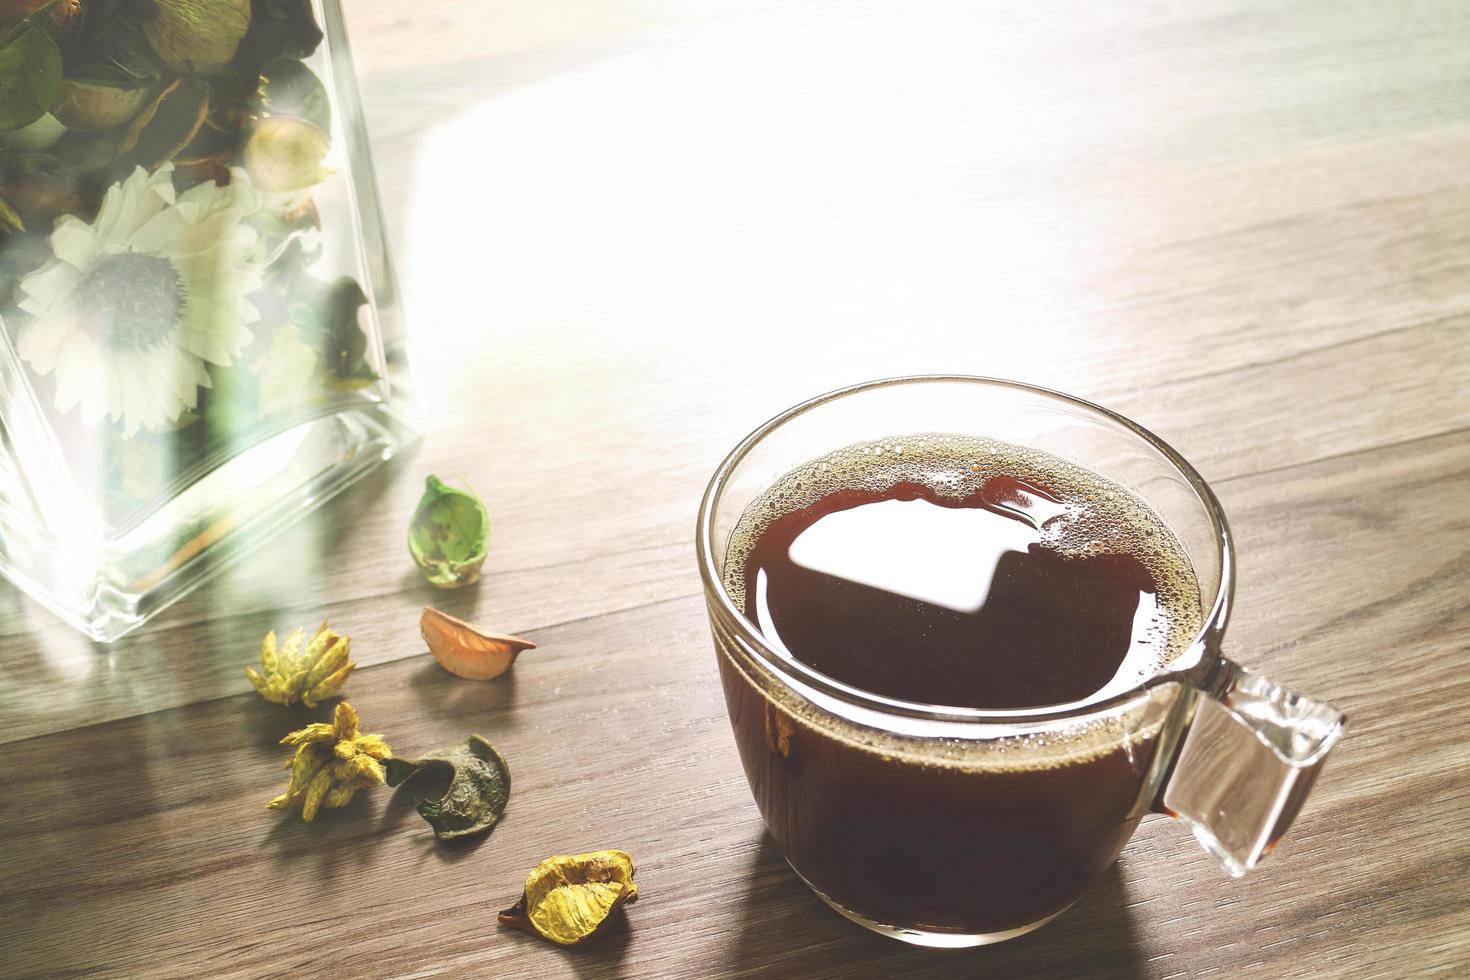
945	570
947	600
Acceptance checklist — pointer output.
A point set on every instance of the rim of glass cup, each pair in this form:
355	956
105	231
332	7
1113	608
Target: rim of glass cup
1184	668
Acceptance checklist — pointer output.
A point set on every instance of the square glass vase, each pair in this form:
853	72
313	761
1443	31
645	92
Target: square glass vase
199	332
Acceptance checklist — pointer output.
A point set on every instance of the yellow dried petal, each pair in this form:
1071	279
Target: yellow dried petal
373	745
291	652
296	683
258	681
327	770
304	767
320	640
340	795
320	783
368	769
317	731
279	803
327	661
344	720
328	686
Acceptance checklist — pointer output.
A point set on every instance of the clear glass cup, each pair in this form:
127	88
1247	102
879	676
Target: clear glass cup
946	826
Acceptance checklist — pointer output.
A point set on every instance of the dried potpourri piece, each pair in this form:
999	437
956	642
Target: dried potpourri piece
448	535
467	651
197	36
310	675
570	898
479	786
332	762
30	70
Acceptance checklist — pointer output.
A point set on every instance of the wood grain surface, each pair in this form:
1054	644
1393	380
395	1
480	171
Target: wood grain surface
630	231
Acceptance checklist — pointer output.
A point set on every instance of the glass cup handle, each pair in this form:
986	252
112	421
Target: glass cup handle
1247	762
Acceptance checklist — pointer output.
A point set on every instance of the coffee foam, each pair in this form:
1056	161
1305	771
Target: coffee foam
1101	517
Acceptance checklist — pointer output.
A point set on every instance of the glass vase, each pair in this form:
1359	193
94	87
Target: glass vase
200	337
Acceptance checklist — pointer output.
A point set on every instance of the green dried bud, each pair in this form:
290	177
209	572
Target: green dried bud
479	786
448	535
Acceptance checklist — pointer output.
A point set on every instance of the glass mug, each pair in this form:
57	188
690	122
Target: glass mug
946	826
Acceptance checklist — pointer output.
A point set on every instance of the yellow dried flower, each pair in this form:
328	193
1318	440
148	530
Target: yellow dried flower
331	763
308	674
570	898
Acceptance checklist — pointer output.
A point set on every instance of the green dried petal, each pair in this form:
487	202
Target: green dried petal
344	721
320	640
478	789
30	74
291	650
317	731
304	768
373	745
448	535
296	681
315	791
257	679
34	137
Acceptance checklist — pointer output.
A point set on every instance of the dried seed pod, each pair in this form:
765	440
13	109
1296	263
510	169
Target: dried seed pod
479	787
569	898
448	535
90	105
310	675
196	37
466	651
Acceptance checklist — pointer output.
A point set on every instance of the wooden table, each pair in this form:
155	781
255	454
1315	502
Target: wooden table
629	232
